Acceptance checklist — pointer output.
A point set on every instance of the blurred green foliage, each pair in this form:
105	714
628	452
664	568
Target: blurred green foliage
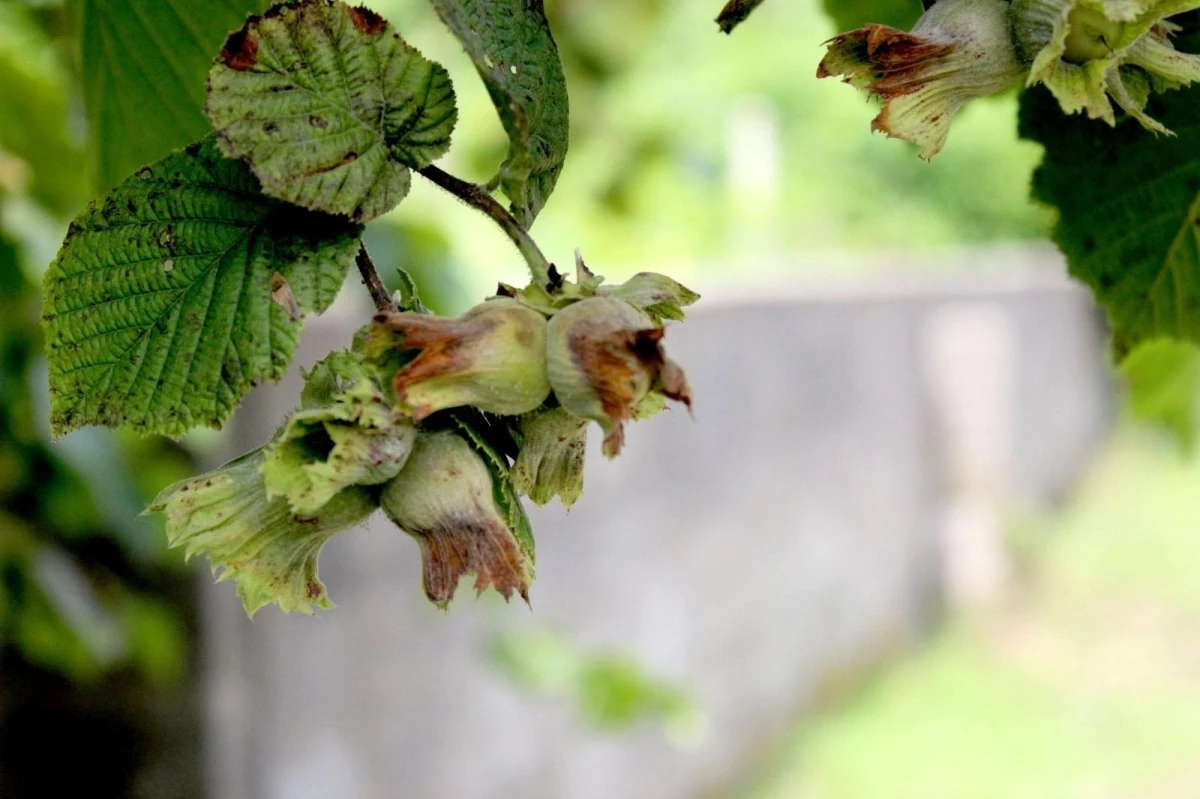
611	691
85	584
692	152
1082	684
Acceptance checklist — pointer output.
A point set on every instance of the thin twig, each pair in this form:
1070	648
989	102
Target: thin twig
477	197
370	277
735	13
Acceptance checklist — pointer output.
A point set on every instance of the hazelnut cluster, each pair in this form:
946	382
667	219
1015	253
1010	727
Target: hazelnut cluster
443	423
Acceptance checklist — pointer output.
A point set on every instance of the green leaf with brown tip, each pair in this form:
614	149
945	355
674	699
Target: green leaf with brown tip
330	107
158	310
514	52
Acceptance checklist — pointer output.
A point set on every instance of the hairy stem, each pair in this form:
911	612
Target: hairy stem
477	197
370	277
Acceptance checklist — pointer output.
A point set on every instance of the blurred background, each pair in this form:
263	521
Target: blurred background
909	546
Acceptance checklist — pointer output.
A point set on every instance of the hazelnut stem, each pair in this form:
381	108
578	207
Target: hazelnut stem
371	279
477	197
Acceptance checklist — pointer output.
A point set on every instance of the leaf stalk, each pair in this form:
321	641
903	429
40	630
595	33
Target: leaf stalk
370	277
477	197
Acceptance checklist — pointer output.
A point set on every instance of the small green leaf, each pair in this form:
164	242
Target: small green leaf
158	310
330	107
142	65
226	516
475	427
483	431
1129	211
657	295
1164	381
331	376
514	51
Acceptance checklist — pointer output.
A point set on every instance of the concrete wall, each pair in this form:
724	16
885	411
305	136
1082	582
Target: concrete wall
796	531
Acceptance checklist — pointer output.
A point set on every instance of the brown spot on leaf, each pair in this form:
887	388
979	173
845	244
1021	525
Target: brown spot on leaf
367	20
281	295
350	158
240	51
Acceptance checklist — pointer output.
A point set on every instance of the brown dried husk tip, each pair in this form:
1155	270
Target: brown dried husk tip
444	498
492	357
958	51
604	356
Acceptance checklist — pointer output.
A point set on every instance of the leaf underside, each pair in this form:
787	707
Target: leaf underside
330	107
514	52
1129	211
158	310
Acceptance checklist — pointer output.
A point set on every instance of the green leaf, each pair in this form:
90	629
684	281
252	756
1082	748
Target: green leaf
143	64
850	14
511	45
483	431
1163	377
1129	211
330	107
658	295
227	516
331	376
158	309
